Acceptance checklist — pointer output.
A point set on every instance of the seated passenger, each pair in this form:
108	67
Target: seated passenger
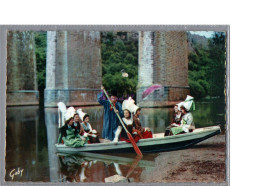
88	131
176	121
70	135
143	132
77	125
187	124
128	122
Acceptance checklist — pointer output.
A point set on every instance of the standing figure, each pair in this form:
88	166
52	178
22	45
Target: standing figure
110	122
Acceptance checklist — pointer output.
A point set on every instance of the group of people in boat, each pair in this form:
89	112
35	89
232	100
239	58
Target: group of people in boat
75	133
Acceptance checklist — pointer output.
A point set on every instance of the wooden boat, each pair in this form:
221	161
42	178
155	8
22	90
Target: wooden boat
158	143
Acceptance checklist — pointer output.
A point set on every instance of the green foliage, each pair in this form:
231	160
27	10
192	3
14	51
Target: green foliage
118	55
217	65
207	68
40	52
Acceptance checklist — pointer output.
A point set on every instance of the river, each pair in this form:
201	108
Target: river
32	131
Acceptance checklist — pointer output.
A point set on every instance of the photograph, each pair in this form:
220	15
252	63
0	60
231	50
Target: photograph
119	105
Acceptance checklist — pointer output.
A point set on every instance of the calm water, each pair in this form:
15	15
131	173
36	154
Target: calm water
32	132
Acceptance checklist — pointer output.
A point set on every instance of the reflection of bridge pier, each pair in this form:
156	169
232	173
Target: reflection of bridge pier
51	122
22	142
155	118
73	68
163	59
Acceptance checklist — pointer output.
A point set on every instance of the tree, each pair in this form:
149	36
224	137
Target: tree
207	68
217	64
119	55
40	52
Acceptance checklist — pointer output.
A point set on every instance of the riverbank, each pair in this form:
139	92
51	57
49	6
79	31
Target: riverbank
204	162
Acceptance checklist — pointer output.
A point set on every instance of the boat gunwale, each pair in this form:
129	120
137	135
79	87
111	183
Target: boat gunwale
142	142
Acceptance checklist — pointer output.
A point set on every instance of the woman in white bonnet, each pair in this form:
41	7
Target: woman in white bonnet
128	122
128	106
88	131
176	120
187	123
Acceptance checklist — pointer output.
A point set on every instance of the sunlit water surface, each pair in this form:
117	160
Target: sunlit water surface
32	132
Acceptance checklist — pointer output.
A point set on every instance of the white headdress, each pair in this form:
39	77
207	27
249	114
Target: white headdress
129	104
70	113
81	114
65	114
188	103
61	112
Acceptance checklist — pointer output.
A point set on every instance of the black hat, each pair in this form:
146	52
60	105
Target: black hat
113	93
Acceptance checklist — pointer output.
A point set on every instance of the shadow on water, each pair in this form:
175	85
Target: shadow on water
31	134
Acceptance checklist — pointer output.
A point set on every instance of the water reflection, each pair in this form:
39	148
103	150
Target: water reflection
51	119
31	133
26	144
91	167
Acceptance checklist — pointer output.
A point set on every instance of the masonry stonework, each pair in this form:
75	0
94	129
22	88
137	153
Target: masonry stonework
73	73
21	69
164	56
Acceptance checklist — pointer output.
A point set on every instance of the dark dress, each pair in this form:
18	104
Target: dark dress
63	133
123	134
140	130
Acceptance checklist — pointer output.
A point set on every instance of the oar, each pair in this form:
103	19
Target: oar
137	150
133	166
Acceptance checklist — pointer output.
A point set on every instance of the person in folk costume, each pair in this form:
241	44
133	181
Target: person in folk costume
142	132
69	134
128	122
110	121
77	125
187	123
88	131
176	120
68	114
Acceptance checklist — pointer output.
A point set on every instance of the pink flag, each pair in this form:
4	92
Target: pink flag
150	90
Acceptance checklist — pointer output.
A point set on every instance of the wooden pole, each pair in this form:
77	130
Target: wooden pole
136	148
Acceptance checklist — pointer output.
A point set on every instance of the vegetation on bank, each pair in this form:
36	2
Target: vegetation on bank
40	52
207	68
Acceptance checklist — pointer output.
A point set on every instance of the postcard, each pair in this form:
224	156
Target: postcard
104	104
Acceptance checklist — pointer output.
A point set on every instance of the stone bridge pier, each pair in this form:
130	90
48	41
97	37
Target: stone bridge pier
21	69
73	68
163	60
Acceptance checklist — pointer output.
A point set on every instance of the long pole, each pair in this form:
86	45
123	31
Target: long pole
136	148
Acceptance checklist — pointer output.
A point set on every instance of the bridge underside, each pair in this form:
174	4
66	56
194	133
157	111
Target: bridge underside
74	68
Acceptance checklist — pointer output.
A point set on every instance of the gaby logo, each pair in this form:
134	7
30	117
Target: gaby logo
15	172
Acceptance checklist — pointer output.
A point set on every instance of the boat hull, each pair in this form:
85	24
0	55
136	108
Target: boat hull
158	144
